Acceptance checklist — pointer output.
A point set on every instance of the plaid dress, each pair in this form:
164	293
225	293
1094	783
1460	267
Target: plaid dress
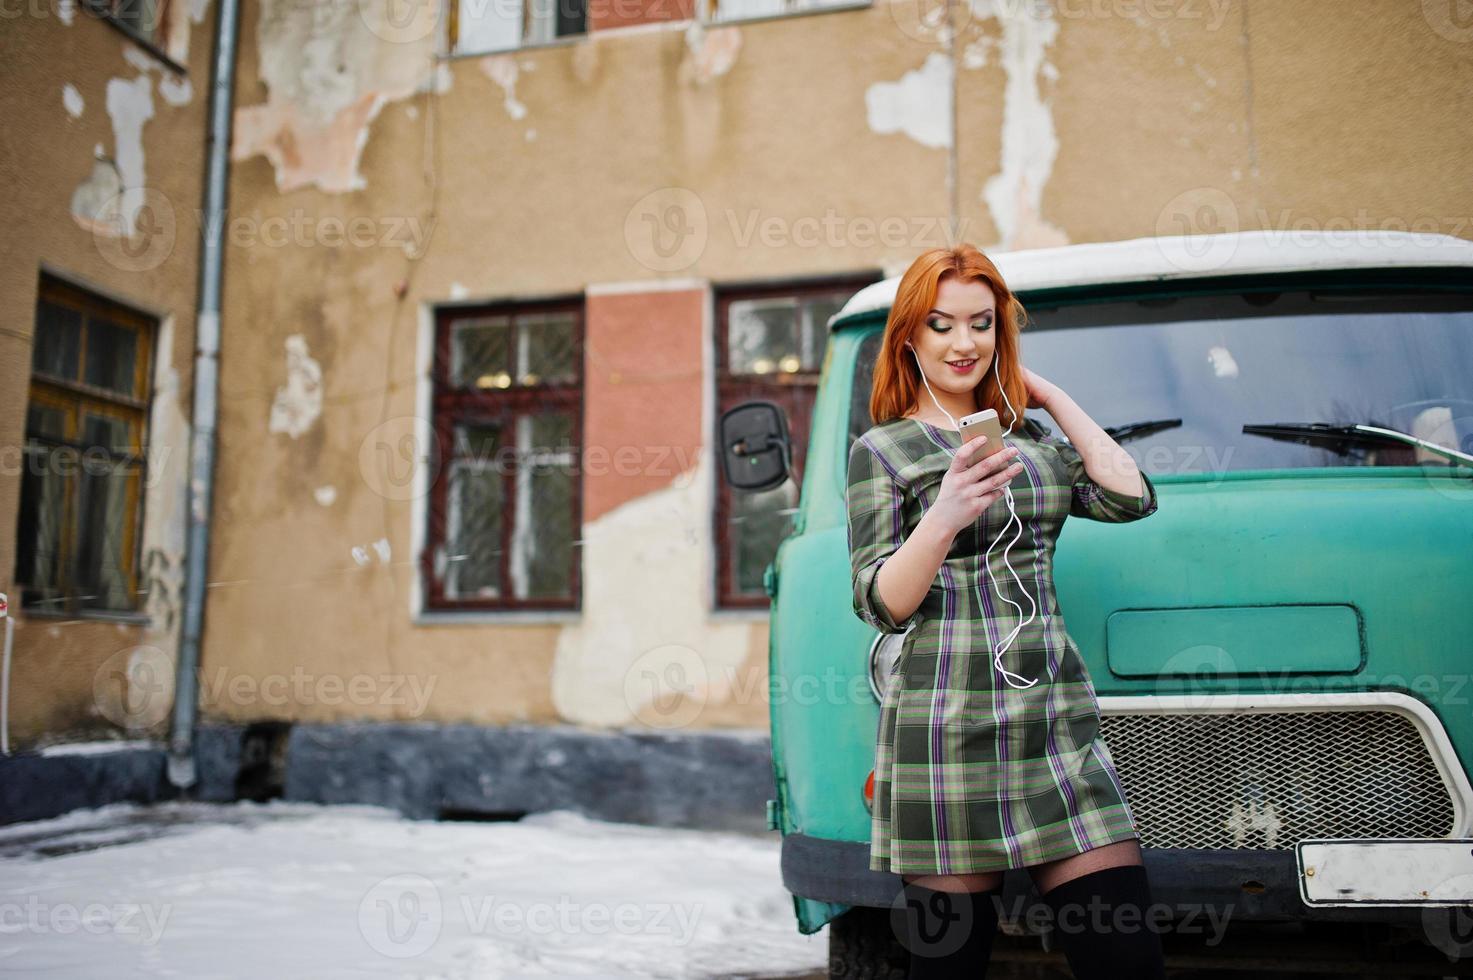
971	773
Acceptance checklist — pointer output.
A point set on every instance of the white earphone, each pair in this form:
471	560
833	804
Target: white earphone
1007	491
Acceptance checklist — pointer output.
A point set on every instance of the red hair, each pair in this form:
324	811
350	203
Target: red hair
897	376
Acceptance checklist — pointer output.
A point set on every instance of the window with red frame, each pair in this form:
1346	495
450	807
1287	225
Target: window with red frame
506	503
770	342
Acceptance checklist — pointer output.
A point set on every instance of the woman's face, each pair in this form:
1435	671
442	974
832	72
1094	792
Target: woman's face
956	339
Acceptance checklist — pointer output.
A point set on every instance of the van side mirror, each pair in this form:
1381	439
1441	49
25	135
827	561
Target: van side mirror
755	451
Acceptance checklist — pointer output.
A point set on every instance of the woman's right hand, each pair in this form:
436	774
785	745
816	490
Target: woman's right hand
972	483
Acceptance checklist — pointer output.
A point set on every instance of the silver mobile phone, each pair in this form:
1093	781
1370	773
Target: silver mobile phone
983	423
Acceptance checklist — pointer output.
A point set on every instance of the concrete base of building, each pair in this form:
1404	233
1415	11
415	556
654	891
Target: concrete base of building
706	780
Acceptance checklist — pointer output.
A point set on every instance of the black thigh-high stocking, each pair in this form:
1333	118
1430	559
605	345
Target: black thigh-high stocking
1102	924
949	934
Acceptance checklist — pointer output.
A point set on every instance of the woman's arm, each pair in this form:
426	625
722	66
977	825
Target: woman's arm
1106	483
878	544
1106	462
902	581
892	571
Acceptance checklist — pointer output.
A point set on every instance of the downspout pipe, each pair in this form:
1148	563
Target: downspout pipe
201	488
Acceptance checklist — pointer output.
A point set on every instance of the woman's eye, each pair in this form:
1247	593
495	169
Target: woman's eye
935	324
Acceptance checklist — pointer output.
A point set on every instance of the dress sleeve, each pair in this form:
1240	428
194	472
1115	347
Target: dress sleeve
1089	499
876	531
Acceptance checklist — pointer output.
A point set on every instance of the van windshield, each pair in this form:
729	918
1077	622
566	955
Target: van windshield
1398	360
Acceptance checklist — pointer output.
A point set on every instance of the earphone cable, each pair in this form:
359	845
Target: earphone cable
1007	490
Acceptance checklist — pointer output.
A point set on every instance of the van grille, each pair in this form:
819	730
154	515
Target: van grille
1267	779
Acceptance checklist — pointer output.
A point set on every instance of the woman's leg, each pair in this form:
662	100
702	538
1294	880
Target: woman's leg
1100	900
950	922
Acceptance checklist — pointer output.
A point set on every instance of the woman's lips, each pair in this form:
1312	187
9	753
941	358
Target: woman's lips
962	368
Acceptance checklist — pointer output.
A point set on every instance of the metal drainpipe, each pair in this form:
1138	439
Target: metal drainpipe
200	490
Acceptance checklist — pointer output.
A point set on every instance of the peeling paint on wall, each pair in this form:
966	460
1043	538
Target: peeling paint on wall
644	637
503	70
165	505
710	52
918	105
362	556
136	57
974	55
586	57
1029	144
328	74
108	201
72	100
298	403
96	199
176	89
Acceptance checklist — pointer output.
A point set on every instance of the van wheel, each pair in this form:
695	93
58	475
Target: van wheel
862	946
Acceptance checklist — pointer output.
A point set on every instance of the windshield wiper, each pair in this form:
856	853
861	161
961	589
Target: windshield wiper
1341	438
1135	430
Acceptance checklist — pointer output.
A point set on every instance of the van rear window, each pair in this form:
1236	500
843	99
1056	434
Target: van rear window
1395	359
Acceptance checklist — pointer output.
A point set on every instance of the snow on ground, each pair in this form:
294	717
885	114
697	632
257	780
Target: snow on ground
300	890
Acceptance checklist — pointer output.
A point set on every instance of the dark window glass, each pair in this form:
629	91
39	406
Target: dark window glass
80	519
57	350
505	512
1395	358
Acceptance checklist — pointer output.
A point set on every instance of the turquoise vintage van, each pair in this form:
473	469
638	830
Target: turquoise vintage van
1282	652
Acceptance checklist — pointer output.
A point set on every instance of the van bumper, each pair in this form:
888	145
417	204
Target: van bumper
1255	885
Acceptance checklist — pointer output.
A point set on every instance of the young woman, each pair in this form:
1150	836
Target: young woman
988	753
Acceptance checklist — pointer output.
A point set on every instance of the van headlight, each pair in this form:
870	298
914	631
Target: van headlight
882	654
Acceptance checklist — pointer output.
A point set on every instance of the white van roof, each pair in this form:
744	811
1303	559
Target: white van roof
1197	256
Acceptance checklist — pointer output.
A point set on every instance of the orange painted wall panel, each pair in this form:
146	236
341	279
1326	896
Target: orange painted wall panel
643	358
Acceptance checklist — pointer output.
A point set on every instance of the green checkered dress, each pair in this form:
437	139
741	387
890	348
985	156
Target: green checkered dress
971	773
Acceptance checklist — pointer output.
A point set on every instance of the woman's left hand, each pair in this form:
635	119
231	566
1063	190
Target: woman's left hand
1040	390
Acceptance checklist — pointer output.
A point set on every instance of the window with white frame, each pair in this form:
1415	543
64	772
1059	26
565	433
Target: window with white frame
720	11
498	25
